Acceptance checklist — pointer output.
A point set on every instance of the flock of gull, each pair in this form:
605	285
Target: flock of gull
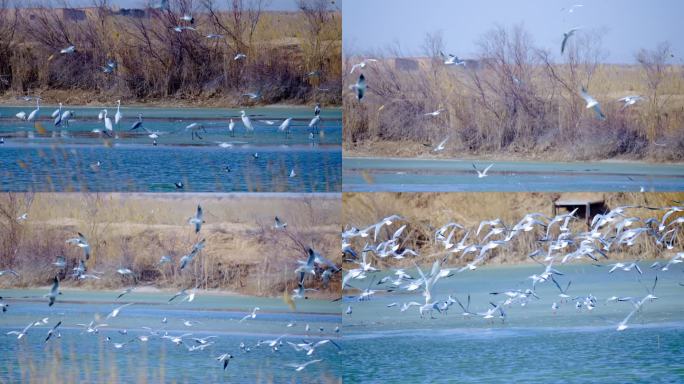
110	127
556	245
315	265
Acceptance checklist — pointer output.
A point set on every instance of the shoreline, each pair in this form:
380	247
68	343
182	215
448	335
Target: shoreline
150	290
521	159
389	150
96	101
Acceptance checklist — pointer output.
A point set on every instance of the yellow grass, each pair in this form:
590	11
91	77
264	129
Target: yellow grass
242	254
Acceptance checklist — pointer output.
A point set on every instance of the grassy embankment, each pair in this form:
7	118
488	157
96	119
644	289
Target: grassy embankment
243	254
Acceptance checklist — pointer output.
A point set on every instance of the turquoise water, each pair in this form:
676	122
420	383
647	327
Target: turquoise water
75	159
533	344
77	356
411	175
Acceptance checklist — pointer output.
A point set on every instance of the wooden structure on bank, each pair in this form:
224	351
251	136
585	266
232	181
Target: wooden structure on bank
588	205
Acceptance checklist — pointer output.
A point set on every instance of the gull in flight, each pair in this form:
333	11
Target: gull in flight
592	103
434	113
300	367
9	271
359	87
116	311
566	36
187	296
440	146
23	332
629	100
81	242
187	259
292	173
251	315
197	219
279	224
481	174
239	56
194	129
361	65
60	262
574	6
52	331
68	50
125	292
225	358
452	60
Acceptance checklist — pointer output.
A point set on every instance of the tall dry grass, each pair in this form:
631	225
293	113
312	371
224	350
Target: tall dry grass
426	212
515	98
242	254
156	62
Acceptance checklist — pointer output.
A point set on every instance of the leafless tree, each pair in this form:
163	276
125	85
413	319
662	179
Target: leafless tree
655	66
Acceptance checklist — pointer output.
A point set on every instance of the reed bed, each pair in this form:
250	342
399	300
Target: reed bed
291	57
516	100
243	254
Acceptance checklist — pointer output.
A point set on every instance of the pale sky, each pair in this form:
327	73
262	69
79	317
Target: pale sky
368	25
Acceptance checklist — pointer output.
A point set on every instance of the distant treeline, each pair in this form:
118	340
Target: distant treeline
189	50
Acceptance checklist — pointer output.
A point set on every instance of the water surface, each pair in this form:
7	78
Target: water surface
533	344
74	158
412	175
81	357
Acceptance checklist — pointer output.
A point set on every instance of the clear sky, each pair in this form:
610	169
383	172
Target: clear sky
629	24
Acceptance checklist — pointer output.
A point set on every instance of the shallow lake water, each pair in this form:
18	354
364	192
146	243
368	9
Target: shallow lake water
533	344
412	175
81	357
74	158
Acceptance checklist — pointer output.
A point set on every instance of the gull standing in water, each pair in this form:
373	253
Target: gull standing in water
231	127
246	121
54	291
285	126
118	116
34	114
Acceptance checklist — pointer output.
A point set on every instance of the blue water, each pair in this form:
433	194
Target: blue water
412	175
66	159
80	357
533	344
